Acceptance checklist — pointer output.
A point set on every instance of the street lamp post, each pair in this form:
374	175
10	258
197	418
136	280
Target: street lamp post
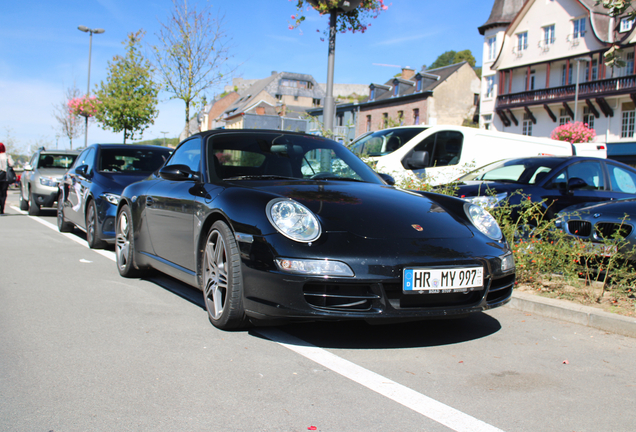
164	138
576	87
88	85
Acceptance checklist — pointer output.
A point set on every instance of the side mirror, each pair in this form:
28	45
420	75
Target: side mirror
417	160
576	183
28	167
177	173
81	170
387	178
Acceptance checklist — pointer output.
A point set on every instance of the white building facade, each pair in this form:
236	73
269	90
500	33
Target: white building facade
544	66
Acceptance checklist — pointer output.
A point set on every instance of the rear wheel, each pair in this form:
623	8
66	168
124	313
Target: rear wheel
91	228
222	279
125	245
34	207
62	225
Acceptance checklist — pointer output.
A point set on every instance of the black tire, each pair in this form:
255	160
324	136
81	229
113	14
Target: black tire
222	279
91	228
62	225
24	204
34	207
125	245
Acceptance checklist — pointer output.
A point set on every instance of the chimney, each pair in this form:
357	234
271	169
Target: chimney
407	73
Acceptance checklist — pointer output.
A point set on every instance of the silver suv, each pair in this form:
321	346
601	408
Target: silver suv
38	184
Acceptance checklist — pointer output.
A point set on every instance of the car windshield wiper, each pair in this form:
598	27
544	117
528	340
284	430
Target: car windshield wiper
339	178
501	180
261	177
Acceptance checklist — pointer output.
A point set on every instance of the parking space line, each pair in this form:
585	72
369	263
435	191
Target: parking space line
428	407
105	253
424	405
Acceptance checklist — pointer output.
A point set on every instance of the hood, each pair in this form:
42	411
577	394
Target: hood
616	207
116	182
52	172
372	210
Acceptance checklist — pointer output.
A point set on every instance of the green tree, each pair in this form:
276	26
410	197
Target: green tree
452	57
192	54
129	97
69	124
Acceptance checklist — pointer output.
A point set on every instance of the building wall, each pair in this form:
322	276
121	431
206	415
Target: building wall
454	99
391	109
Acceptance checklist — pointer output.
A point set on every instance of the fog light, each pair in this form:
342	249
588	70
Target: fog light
507	262
314	267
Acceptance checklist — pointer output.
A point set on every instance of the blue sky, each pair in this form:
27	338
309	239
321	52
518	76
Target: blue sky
42	52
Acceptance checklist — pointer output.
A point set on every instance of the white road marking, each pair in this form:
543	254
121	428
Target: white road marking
437	411
424	405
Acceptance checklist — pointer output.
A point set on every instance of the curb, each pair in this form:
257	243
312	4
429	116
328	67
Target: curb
574	313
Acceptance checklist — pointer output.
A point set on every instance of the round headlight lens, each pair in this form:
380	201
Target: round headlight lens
483	221
293	220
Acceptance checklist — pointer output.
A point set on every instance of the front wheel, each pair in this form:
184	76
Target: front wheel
222	279
91	228
34	207
24	204
62	225
125	245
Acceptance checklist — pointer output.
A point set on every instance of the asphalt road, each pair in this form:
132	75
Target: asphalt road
82	349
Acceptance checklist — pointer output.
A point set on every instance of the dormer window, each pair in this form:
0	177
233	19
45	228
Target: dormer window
396	89
372	93
626	24
418	85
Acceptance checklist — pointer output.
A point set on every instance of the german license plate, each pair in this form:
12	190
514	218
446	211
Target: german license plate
436	281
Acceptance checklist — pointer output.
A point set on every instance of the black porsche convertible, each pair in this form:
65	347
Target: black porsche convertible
282	225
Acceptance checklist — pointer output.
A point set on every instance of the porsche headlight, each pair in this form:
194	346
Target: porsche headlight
486	201
293	220
483	221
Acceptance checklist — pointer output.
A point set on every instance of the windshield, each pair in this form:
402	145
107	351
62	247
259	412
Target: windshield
132	160
61	161
384	142
524	171
263	155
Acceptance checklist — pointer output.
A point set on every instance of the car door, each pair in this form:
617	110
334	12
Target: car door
592	172
444	150
169	209
77	182
26	176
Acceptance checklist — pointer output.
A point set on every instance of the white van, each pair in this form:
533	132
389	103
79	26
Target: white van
440	154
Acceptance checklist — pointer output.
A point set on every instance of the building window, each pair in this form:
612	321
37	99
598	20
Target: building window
531	81
490	86
385	120
419	85
401	117
372	94
579	28
566	80
295	97
396	89
548	35
279	97
492	47
340	119
522	41
594	70
564	117
416	116
628	69
315	102
527	126
629	114
368	123
295	83
588	117
626	24
487	121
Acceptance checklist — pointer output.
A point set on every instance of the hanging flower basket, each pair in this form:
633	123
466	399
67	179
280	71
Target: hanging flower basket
83	106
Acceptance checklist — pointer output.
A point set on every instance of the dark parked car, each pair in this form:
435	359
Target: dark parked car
40	178
559	181
273	225
600	223
90	190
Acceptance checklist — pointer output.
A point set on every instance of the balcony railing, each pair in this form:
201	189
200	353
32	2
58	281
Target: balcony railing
600	88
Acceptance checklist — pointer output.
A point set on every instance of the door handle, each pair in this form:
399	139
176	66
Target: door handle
149	201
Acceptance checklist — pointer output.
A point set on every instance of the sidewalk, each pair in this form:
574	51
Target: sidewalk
574	313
